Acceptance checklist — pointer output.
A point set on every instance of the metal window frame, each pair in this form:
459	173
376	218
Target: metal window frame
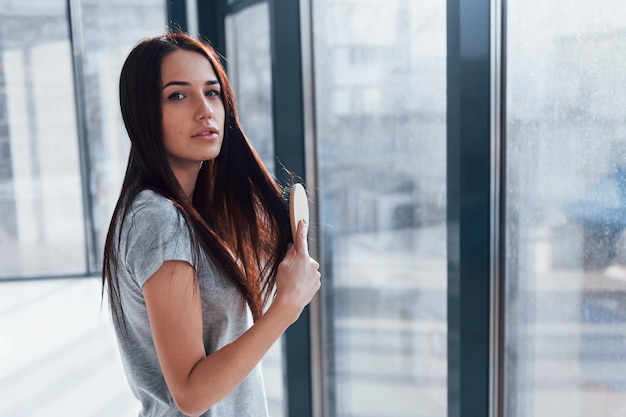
211	23
294	145
497	399
176	12
75	20
475	168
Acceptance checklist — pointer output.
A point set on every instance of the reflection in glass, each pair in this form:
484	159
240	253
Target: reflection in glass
41	213
566	209
249	69
380	74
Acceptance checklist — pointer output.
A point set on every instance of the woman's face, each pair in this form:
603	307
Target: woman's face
193	112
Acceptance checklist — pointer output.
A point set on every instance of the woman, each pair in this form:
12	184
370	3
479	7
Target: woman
199	241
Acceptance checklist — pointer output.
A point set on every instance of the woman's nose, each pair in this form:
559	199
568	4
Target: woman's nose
205	111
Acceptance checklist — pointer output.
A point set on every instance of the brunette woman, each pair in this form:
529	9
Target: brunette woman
200	271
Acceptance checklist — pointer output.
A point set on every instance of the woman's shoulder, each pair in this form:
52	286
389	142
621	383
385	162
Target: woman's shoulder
152	205
150	199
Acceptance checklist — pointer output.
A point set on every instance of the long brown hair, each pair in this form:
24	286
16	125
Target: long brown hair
237	216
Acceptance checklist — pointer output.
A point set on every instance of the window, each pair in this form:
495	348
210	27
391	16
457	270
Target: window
107	40
43	225
565	209
380	77
249	68
41	212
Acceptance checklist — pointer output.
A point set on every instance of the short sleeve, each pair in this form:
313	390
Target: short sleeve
155	232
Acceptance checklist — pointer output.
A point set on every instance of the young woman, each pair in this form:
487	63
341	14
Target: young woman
199	241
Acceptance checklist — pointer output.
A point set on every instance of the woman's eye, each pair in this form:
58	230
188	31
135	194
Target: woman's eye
213	93
176	96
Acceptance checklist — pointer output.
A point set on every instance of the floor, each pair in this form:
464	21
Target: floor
58	355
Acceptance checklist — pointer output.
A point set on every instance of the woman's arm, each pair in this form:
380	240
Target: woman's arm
197	381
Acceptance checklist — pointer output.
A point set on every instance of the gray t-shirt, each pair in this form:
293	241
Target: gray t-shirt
153	232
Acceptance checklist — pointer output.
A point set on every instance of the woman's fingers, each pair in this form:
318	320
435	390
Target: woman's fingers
298	276
301	242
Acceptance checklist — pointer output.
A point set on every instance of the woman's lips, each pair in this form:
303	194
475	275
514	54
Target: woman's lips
209	132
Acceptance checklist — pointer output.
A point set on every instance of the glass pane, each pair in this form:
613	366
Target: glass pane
41	212
380	77
566	209
250	72
110	30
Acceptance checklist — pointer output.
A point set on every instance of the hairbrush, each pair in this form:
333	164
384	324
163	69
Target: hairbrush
298	208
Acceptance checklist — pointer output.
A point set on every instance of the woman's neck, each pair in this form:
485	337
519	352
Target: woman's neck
187	178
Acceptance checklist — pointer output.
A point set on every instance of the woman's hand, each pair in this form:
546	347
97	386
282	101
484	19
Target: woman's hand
298	277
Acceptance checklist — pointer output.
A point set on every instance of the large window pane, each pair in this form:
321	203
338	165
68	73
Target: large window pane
249	69
110	30
380	78
41	213
57	349
566	208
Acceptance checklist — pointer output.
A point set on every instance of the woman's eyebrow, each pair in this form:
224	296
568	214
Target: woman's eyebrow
185	83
